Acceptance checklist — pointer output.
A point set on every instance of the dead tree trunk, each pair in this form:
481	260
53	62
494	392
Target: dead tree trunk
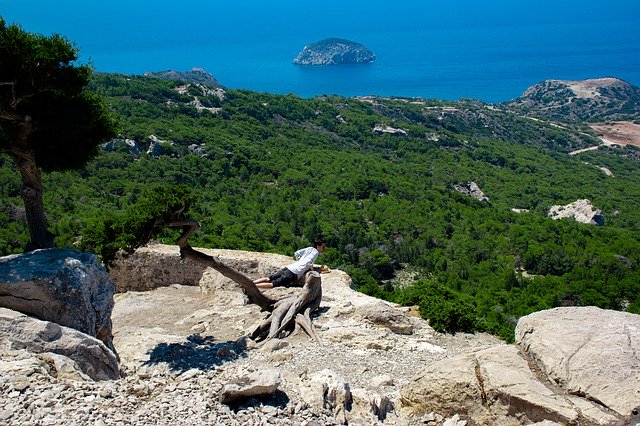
292	312
286	314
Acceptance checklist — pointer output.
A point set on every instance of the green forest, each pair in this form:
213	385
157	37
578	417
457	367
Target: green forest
272	172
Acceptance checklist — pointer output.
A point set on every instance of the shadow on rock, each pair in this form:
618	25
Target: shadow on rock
277	399
198	352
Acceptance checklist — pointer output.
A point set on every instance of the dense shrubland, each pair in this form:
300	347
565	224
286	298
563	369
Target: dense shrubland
278	171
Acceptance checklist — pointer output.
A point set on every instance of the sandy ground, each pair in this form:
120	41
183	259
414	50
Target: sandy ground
618	133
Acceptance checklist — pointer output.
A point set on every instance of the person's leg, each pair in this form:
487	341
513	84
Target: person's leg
261	280
264	285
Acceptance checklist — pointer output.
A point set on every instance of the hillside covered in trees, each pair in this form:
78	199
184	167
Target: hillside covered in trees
376	177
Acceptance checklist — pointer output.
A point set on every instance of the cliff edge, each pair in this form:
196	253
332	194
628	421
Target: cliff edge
181	329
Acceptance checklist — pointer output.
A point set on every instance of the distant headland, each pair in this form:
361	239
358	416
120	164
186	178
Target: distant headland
334	51
195	75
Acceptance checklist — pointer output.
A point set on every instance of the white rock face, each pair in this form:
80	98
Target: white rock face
581	210
383	128
588	356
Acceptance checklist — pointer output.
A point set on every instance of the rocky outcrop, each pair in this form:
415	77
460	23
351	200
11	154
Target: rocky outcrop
64	349
158	265
473	190
184	347
66	287
588	363
334	51
159	148
195	75
593	353
581	210
383	128
599	99
256	384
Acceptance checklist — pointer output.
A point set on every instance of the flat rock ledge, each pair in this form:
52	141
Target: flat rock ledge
184	350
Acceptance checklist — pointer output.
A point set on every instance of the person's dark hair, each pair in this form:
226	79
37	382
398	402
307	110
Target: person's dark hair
318	242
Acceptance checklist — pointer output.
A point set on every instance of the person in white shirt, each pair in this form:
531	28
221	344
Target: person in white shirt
287	277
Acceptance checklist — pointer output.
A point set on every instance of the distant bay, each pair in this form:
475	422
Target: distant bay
441	52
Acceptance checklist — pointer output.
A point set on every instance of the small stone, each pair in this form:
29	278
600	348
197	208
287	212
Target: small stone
105	393
189	374
5	414
20	385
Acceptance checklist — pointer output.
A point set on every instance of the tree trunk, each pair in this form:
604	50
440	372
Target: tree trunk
31	191
287	315
253	293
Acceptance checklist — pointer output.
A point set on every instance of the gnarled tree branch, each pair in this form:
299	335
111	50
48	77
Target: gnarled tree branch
286	313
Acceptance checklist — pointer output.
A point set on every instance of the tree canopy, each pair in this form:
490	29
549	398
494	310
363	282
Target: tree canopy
271	172
48	120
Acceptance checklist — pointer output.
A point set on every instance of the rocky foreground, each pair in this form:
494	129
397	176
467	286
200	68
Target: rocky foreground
184	360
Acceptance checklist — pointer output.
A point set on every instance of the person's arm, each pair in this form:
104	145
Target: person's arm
297	255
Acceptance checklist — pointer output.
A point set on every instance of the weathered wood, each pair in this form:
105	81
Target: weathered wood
304	321
253	293
286	313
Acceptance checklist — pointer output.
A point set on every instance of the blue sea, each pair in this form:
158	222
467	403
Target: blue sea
491	50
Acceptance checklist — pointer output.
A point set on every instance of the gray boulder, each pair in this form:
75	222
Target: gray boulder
473	190
21	332
589	352
257	384
66	287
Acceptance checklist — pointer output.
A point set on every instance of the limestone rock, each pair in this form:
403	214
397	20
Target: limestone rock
327	390
156	265
146	270
66	287
473	190
19	331
334	51
257	384
491	386
383	128
369	408
589	352
581	210
382	315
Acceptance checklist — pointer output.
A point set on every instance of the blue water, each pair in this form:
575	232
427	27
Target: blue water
447	50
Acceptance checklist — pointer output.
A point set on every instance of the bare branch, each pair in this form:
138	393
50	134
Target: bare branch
189	227
286	314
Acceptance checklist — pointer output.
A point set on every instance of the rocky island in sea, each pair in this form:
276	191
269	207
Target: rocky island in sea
334	51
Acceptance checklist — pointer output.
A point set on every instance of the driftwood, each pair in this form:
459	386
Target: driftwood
287	315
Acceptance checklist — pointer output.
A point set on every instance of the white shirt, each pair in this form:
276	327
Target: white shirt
304	260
